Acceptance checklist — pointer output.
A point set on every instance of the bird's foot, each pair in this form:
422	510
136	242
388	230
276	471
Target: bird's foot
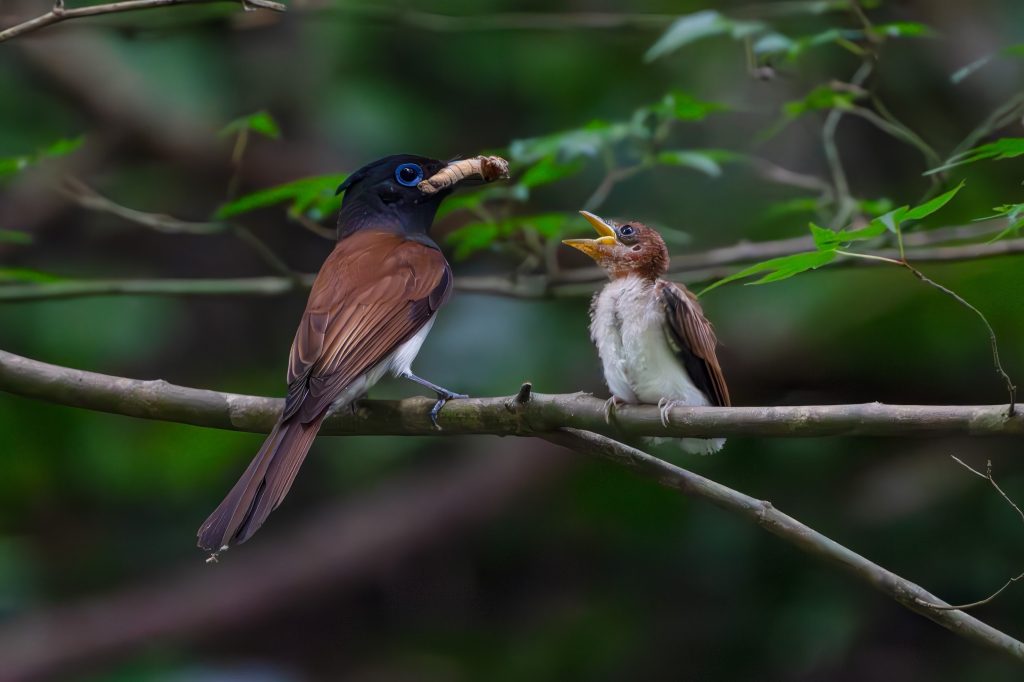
610	406
442	398
664	408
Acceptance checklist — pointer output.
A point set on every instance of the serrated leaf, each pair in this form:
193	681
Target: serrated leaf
927	208
549	170
304	194
1003	148
260	122
705	161
778	269
822	97
567	145
893	219
15	237
687	29
683	106
826	240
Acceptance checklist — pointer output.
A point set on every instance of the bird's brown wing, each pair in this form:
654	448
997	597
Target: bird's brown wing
374	292
693	339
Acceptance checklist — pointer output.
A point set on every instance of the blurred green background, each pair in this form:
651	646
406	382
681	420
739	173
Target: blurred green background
513	560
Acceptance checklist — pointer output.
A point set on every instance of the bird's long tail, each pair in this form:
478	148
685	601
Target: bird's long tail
261	488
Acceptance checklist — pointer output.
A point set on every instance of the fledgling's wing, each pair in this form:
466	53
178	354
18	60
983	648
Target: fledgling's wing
693	340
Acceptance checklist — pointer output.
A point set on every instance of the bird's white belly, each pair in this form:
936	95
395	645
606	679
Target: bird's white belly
628	326
398	363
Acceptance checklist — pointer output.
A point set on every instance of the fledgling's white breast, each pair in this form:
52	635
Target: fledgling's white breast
628	326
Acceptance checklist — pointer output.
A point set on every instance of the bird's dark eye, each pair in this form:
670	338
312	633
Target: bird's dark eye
626	230
409	174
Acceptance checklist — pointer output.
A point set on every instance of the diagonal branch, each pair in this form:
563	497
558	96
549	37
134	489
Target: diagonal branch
761	512
59	13
498	416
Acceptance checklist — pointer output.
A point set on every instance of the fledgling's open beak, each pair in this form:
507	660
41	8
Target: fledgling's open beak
593	247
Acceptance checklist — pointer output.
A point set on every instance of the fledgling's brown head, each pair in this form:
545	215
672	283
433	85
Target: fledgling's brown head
624	248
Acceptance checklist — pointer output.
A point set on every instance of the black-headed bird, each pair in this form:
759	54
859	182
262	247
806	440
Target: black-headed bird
369	311
655	344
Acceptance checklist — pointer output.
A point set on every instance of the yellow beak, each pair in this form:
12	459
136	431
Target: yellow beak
592	247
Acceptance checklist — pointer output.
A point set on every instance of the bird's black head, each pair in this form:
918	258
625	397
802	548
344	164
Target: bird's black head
384	195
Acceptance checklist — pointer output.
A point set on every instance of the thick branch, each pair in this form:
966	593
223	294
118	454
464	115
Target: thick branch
59	14
806	539
500	416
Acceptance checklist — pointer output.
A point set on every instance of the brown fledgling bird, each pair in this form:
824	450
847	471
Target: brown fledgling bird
655	344
369	311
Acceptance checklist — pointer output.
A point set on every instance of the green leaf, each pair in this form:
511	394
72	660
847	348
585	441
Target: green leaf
14	164
471	238
1003	148
793	206
904	29
893	219
875	207
926	209
567	145
26	275
550	225
1014	213
693	27
705	161
261	122
549	170
822	97
313	195
15	237
826	240
778	269
683	106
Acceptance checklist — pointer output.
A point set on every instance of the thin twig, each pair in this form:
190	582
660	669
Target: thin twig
1010	386
59	13
991	479
88	198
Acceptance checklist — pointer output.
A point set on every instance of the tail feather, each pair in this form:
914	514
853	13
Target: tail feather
261	488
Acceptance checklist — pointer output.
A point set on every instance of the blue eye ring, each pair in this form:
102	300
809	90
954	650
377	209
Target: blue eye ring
409	174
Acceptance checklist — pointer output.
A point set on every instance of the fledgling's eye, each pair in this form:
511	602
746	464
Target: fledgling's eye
409	174
626	230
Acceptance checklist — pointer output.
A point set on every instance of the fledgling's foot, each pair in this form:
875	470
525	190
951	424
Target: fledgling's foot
610	406
664	407
442	398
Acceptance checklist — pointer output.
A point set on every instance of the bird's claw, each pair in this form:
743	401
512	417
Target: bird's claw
664	407
610	406
442	398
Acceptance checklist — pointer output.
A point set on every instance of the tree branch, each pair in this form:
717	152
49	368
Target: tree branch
59	13
761	512
498	416
687	268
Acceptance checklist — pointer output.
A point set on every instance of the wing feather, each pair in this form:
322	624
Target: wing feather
374	292
694	341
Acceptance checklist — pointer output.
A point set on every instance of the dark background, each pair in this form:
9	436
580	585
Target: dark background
486	558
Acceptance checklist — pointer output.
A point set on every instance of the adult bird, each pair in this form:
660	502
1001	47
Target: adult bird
369	311
655	344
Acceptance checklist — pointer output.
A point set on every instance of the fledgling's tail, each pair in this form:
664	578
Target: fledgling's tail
694	446
261	488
